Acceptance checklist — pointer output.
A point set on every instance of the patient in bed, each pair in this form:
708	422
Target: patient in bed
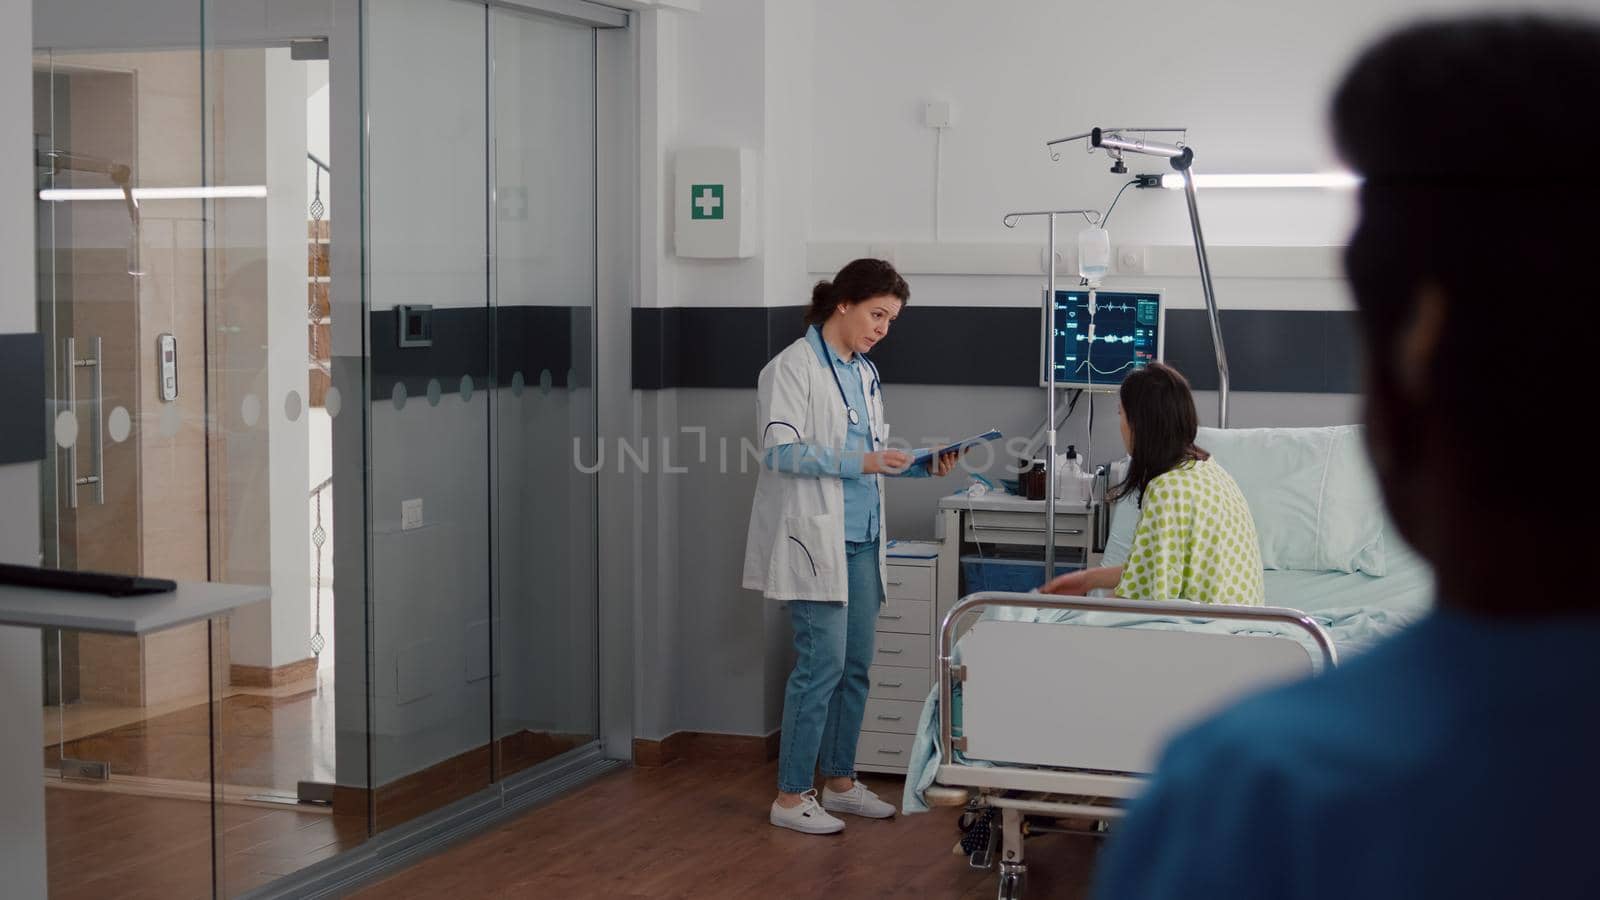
1195	539
1385	777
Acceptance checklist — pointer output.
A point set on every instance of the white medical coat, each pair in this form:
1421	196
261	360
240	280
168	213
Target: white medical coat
795	548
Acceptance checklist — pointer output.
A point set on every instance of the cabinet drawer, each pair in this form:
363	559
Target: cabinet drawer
908	582
902	650
878	748
899	683
898	716
991	526
906	616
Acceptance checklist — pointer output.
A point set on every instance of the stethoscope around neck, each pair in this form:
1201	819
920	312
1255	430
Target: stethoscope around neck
850	411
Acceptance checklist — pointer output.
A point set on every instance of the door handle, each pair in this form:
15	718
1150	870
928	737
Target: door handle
98	432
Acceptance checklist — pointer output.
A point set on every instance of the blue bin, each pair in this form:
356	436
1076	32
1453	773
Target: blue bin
980	573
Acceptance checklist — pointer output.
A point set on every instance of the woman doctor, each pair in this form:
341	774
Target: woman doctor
816	534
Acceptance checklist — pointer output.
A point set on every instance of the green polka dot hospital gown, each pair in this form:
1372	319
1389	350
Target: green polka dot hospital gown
1195	541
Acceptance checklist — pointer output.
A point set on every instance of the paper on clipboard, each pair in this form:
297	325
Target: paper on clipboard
923	454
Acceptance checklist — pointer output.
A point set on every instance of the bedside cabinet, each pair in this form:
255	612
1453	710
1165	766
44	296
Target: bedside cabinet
902	666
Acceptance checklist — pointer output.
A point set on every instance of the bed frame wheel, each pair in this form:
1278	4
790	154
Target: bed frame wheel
938	795
1013	876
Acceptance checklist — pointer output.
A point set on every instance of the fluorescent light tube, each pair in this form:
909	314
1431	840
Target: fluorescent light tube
1327	180
224	192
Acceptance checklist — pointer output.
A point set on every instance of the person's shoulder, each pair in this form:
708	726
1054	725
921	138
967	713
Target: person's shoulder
1210	468
1179	475
795	359
1333	715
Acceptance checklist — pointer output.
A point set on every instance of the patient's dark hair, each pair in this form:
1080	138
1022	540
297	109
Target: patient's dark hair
1159	407
860	280
1465	202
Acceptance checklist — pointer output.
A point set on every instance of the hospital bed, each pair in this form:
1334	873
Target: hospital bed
1059	706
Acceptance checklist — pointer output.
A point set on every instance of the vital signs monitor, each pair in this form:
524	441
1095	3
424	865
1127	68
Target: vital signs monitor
1098	344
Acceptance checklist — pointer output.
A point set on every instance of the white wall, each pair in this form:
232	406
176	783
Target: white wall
287	373
22	846
19	483
721	102
317	136
1251	80
723	76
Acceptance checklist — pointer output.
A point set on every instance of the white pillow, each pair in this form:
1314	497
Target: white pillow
1312	494
1125	515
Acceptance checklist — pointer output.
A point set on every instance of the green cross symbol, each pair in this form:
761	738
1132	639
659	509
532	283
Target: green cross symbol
705	201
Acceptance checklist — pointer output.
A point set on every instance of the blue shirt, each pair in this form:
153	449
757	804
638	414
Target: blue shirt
1456	760
860	490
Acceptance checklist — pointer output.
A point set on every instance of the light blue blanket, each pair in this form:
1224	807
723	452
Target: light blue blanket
1357	611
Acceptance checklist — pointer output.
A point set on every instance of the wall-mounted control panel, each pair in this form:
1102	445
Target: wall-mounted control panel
167	367
414	325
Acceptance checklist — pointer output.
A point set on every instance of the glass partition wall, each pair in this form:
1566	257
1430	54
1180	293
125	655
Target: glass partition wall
319	285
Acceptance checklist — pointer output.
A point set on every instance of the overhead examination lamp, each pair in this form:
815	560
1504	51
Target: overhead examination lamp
1116	142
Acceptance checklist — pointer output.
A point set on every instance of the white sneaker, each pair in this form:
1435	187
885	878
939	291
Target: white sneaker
807	817
858	801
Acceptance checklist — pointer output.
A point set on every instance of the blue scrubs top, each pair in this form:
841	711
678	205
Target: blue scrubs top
1456	760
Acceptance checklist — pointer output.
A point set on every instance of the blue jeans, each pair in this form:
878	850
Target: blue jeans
827	692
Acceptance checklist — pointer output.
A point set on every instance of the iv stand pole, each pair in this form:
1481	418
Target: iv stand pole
1092	217
1181	159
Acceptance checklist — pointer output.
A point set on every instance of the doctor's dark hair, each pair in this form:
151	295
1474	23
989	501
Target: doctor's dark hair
859	280
1159	407
1469	247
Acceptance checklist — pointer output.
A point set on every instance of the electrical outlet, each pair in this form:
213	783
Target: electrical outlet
410	514
1133	260
938	114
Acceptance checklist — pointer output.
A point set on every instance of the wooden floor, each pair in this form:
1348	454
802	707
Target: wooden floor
699	829
269	741
103	844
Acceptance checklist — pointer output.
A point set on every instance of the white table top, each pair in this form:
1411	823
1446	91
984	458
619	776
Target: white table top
142	614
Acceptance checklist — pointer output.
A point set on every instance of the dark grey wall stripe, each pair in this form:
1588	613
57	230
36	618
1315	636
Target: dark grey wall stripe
1281	351
529	339
24	413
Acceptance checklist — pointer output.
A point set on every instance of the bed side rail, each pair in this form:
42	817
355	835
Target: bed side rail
976	603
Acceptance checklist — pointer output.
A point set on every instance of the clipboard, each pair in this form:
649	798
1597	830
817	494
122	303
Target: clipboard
923	454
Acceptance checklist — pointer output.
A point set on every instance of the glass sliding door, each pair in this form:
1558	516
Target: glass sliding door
270	227
543	131
318	283
183	248
129	776
430	346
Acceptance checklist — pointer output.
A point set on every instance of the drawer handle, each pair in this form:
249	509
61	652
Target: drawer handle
1022	529
884	718
891	684
890	616
890	752
890	650
893	583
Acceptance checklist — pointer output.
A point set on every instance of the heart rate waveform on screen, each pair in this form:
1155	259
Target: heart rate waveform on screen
1098	344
